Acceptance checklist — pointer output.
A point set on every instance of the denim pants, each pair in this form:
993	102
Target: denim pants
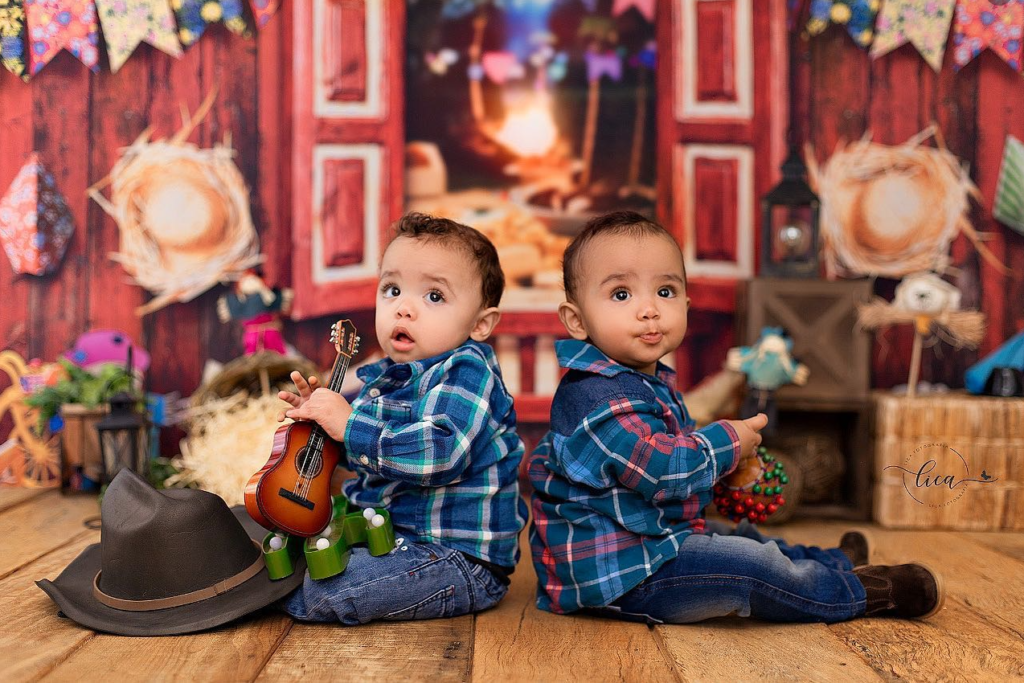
413	581
727	571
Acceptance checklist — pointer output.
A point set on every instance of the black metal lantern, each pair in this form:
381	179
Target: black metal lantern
123	436
789	229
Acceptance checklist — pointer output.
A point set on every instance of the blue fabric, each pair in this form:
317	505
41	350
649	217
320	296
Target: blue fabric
621	479
435	442
740	571
414	581
1009	355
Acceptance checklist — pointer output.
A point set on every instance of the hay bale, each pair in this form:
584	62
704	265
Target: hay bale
247	374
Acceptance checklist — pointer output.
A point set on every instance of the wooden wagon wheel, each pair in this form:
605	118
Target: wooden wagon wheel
39	463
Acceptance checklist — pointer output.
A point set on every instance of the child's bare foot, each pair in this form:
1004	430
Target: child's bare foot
908	591
856	545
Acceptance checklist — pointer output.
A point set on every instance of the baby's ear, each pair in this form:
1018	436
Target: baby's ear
485	323
571	317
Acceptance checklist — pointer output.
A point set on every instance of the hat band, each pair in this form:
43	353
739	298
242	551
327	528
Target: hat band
179	600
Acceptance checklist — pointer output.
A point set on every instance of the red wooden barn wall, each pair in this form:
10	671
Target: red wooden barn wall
77	121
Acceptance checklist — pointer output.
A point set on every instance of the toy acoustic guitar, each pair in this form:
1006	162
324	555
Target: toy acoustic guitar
293	490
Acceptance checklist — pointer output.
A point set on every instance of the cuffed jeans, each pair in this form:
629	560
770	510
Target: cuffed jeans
414	581
727	571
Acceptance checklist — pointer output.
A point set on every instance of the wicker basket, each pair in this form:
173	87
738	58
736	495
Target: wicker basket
977	447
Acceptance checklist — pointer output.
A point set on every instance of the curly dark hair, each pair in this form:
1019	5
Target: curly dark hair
615	223
431	228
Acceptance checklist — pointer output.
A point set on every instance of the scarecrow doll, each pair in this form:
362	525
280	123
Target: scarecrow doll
259	308
768	365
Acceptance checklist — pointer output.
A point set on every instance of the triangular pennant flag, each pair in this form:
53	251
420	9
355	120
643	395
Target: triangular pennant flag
858	16
195	15
995	24
12	37
645	7
923	23
500	66
1008	207
263	10
126	23
57	24
35	223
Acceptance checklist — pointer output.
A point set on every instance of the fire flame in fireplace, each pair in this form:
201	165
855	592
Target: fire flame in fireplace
530	131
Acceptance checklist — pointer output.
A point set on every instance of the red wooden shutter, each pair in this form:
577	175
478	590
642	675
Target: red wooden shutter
722	121
347	147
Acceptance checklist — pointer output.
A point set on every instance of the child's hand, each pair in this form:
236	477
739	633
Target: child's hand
305	389
749	433
327	408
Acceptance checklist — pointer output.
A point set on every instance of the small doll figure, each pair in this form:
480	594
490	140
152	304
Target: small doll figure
259	308
768	366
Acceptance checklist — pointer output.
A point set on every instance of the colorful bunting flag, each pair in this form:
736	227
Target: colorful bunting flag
923	23
12	40
604	64
645	7
195	15
126	23
858	16
35	223
1009	204
995	24
263	10
501	66
57	24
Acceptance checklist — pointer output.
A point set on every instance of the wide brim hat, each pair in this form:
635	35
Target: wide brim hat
223	531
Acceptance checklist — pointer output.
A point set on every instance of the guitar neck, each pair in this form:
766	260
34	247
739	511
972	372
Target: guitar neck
337	377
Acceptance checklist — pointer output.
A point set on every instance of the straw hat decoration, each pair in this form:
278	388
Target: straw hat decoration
183	214
894	210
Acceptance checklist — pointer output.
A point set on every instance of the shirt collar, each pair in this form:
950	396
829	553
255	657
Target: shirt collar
400	373
574	354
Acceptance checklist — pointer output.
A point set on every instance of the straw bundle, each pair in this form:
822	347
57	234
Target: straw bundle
891	211
229	440
183	214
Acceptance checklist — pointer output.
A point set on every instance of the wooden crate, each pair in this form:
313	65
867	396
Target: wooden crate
968	438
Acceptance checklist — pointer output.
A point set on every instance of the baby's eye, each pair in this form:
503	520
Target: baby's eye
435	297
666	292
620	295
390	291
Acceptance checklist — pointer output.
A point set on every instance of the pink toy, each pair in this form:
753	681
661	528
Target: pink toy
96	347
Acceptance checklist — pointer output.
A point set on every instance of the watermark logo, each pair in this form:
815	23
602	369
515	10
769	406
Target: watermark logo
937	475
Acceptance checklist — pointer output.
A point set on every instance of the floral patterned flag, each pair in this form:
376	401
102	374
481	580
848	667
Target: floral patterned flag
1008	207
995	24
12	39
923	23
263	10
35	223
858	16
57	24
195	15
126	23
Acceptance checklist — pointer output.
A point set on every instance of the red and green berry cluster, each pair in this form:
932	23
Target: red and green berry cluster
754	501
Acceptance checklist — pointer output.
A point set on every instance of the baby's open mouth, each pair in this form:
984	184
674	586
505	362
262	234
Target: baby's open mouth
401	337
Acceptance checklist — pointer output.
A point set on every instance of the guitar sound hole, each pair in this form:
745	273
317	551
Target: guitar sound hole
309	463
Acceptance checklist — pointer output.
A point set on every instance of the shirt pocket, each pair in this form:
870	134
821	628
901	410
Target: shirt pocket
394	411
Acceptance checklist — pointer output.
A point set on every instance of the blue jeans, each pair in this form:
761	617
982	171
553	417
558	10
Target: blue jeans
414	581
739	571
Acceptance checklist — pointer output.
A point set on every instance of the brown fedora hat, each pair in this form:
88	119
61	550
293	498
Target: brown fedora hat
168	562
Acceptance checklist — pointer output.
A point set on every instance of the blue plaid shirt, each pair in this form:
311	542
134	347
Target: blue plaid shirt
435	442
619	481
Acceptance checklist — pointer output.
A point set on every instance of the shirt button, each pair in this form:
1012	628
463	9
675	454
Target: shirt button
374	393
363	459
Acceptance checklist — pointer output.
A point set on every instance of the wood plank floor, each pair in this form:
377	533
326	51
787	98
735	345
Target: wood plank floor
978	636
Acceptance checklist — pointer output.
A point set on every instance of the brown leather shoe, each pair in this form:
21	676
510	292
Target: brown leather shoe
908	591
856	545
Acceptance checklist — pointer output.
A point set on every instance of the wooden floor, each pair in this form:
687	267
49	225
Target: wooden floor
978	636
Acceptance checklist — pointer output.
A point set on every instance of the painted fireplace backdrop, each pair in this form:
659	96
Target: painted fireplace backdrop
714	129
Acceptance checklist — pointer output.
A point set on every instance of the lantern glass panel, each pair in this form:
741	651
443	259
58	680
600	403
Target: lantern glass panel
124	447
792	238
